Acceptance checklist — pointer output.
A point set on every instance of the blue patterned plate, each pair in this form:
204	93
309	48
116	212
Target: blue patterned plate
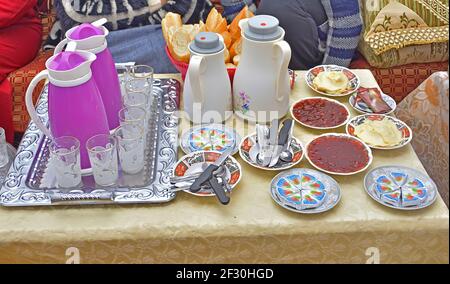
400	187
305	191
210	137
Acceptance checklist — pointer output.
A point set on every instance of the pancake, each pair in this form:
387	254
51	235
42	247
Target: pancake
331	82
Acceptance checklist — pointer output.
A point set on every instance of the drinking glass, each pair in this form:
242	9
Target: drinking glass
144	75
133	115
4	159
123	71
102	151
65	154
130	144
136	99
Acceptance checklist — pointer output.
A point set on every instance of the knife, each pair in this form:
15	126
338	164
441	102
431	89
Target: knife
208	177
283	139
192	177
265	149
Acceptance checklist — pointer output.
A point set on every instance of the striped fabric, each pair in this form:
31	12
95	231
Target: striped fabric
339	37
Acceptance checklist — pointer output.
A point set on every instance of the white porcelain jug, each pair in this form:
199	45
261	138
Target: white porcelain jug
261	86
207	88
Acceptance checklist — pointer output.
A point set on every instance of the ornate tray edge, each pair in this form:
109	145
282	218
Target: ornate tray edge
15	193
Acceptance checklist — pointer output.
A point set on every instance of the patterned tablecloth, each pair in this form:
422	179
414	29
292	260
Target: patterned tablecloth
252	229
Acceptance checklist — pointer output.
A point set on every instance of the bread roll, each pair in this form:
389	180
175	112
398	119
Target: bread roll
180	45
236	60
170	20
227	39
236	48
227	56
213	20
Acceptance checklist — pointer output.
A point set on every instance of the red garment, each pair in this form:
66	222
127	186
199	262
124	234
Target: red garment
20	39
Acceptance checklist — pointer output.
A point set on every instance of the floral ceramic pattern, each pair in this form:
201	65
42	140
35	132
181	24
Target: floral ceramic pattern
353	83
243	103
302	191
233	168
213	137
305	191
405	130
400	187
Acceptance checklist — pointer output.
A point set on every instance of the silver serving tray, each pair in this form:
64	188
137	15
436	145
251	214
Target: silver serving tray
4	170
27	182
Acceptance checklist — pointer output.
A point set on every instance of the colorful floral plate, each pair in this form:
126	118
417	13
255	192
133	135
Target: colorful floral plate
362	108
318	115
211	137
401	126
400	187
305	191
353	83
196	162
248	142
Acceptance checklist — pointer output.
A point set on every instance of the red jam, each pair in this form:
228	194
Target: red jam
338	154
320	113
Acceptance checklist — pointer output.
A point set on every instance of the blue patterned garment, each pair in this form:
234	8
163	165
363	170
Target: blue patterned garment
339	37
127	14
232	7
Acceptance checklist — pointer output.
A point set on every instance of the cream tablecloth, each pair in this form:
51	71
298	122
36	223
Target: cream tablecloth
252	229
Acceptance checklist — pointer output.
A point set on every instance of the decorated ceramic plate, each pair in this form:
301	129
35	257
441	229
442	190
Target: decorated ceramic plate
320	113
248	143
197	162
351	79
383	132
211	137
400	187
305	191
362	107
339	154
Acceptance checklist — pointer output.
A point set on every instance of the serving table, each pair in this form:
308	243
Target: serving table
251	229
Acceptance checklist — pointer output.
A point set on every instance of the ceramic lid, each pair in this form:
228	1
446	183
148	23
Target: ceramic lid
263	28
207	43
84	31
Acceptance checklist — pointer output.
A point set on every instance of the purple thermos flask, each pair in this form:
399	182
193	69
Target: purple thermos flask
92	38
75	107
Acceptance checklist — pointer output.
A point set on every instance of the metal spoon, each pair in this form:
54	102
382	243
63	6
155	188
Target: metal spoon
287	156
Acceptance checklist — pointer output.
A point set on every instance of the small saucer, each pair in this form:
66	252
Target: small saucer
248	143
210	137
364	109
193	163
